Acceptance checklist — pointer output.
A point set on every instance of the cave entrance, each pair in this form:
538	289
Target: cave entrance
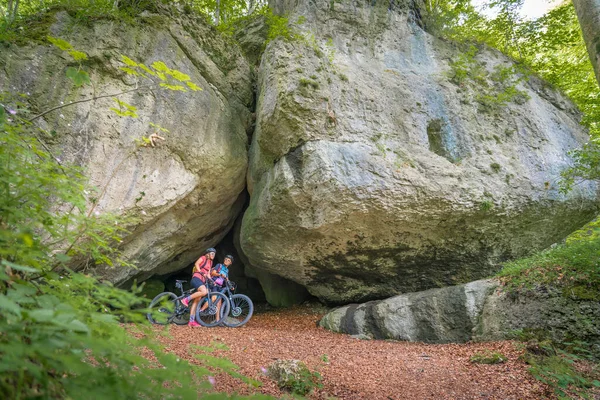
244	284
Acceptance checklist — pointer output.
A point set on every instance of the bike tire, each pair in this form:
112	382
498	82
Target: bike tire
182	317
208	317
241	309
162	308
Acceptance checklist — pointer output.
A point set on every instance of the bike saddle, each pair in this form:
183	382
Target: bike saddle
178	281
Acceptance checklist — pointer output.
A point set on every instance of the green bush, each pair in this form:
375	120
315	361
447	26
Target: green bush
294	376
560	372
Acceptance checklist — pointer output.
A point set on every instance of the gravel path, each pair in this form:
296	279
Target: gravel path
358	369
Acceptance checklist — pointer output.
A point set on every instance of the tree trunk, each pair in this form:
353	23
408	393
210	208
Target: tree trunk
218	12
588	13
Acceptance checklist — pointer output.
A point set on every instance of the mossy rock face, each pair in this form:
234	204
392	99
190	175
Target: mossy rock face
545	309
186	191
479	311
370	176
581	292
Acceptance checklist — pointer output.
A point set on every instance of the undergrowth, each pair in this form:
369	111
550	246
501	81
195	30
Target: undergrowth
574	267
488	357
568	368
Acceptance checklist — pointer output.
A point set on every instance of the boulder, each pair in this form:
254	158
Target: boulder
446	315
279	292
556	314
186	191
373	174
479	311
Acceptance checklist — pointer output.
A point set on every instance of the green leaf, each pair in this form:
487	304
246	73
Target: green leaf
27	239
160	66
78	326
130	71
63	258
124	113
129	61
173	87
130	111
78	77
148	70
61	44
9	305
193	86
18	267
2	115
152	124
42	315
78	55
124	104
178	75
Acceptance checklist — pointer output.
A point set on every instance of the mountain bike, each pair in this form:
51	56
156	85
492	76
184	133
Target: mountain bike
166	307
240	307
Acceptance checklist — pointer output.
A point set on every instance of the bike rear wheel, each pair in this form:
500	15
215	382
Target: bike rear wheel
206	312
240	311
163	308
182	315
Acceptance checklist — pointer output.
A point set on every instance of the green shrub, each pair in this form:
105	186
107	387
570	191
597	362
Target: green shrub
561	373
295	377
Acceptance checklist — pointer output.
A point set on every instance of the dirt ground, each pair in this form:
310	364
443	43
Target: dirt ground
358	369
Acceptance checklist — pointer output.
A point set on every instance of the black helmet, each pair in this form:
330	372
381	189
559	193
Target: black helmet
210	250
229	256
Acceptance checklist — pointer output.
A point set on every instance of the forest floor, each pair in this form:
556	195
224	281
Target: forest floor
358	369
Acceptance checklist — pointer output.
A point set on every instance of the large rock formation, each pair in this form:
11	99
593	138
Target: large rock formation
447	315
190	188
479	311
372	174
561	315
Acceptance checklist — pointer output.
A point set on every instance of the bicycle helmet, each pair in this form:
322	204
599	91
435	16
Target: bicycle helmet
229	256
210	250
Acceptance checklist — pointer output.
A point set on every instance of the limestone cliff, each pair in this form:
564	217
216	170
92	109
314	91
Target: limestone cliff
372	174
371	171
189	189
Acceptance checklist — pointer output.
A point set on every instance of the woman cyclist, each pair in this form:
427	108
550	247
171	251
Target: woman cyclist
201	273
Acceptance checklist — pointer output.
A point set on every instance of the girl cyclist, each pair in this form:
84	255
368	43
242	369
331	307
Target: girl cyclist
221	272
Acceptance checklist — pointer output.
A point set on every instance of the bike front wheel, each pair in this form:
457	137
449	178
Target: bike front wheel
163	308
240	311
211	311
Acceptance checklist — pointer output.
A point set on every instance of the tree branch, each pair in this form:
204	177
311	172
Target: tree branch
89	99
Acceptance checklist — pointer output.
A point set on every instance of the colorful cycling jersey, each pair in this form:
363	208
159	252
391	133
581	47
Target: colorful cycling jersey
222	269
204	266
